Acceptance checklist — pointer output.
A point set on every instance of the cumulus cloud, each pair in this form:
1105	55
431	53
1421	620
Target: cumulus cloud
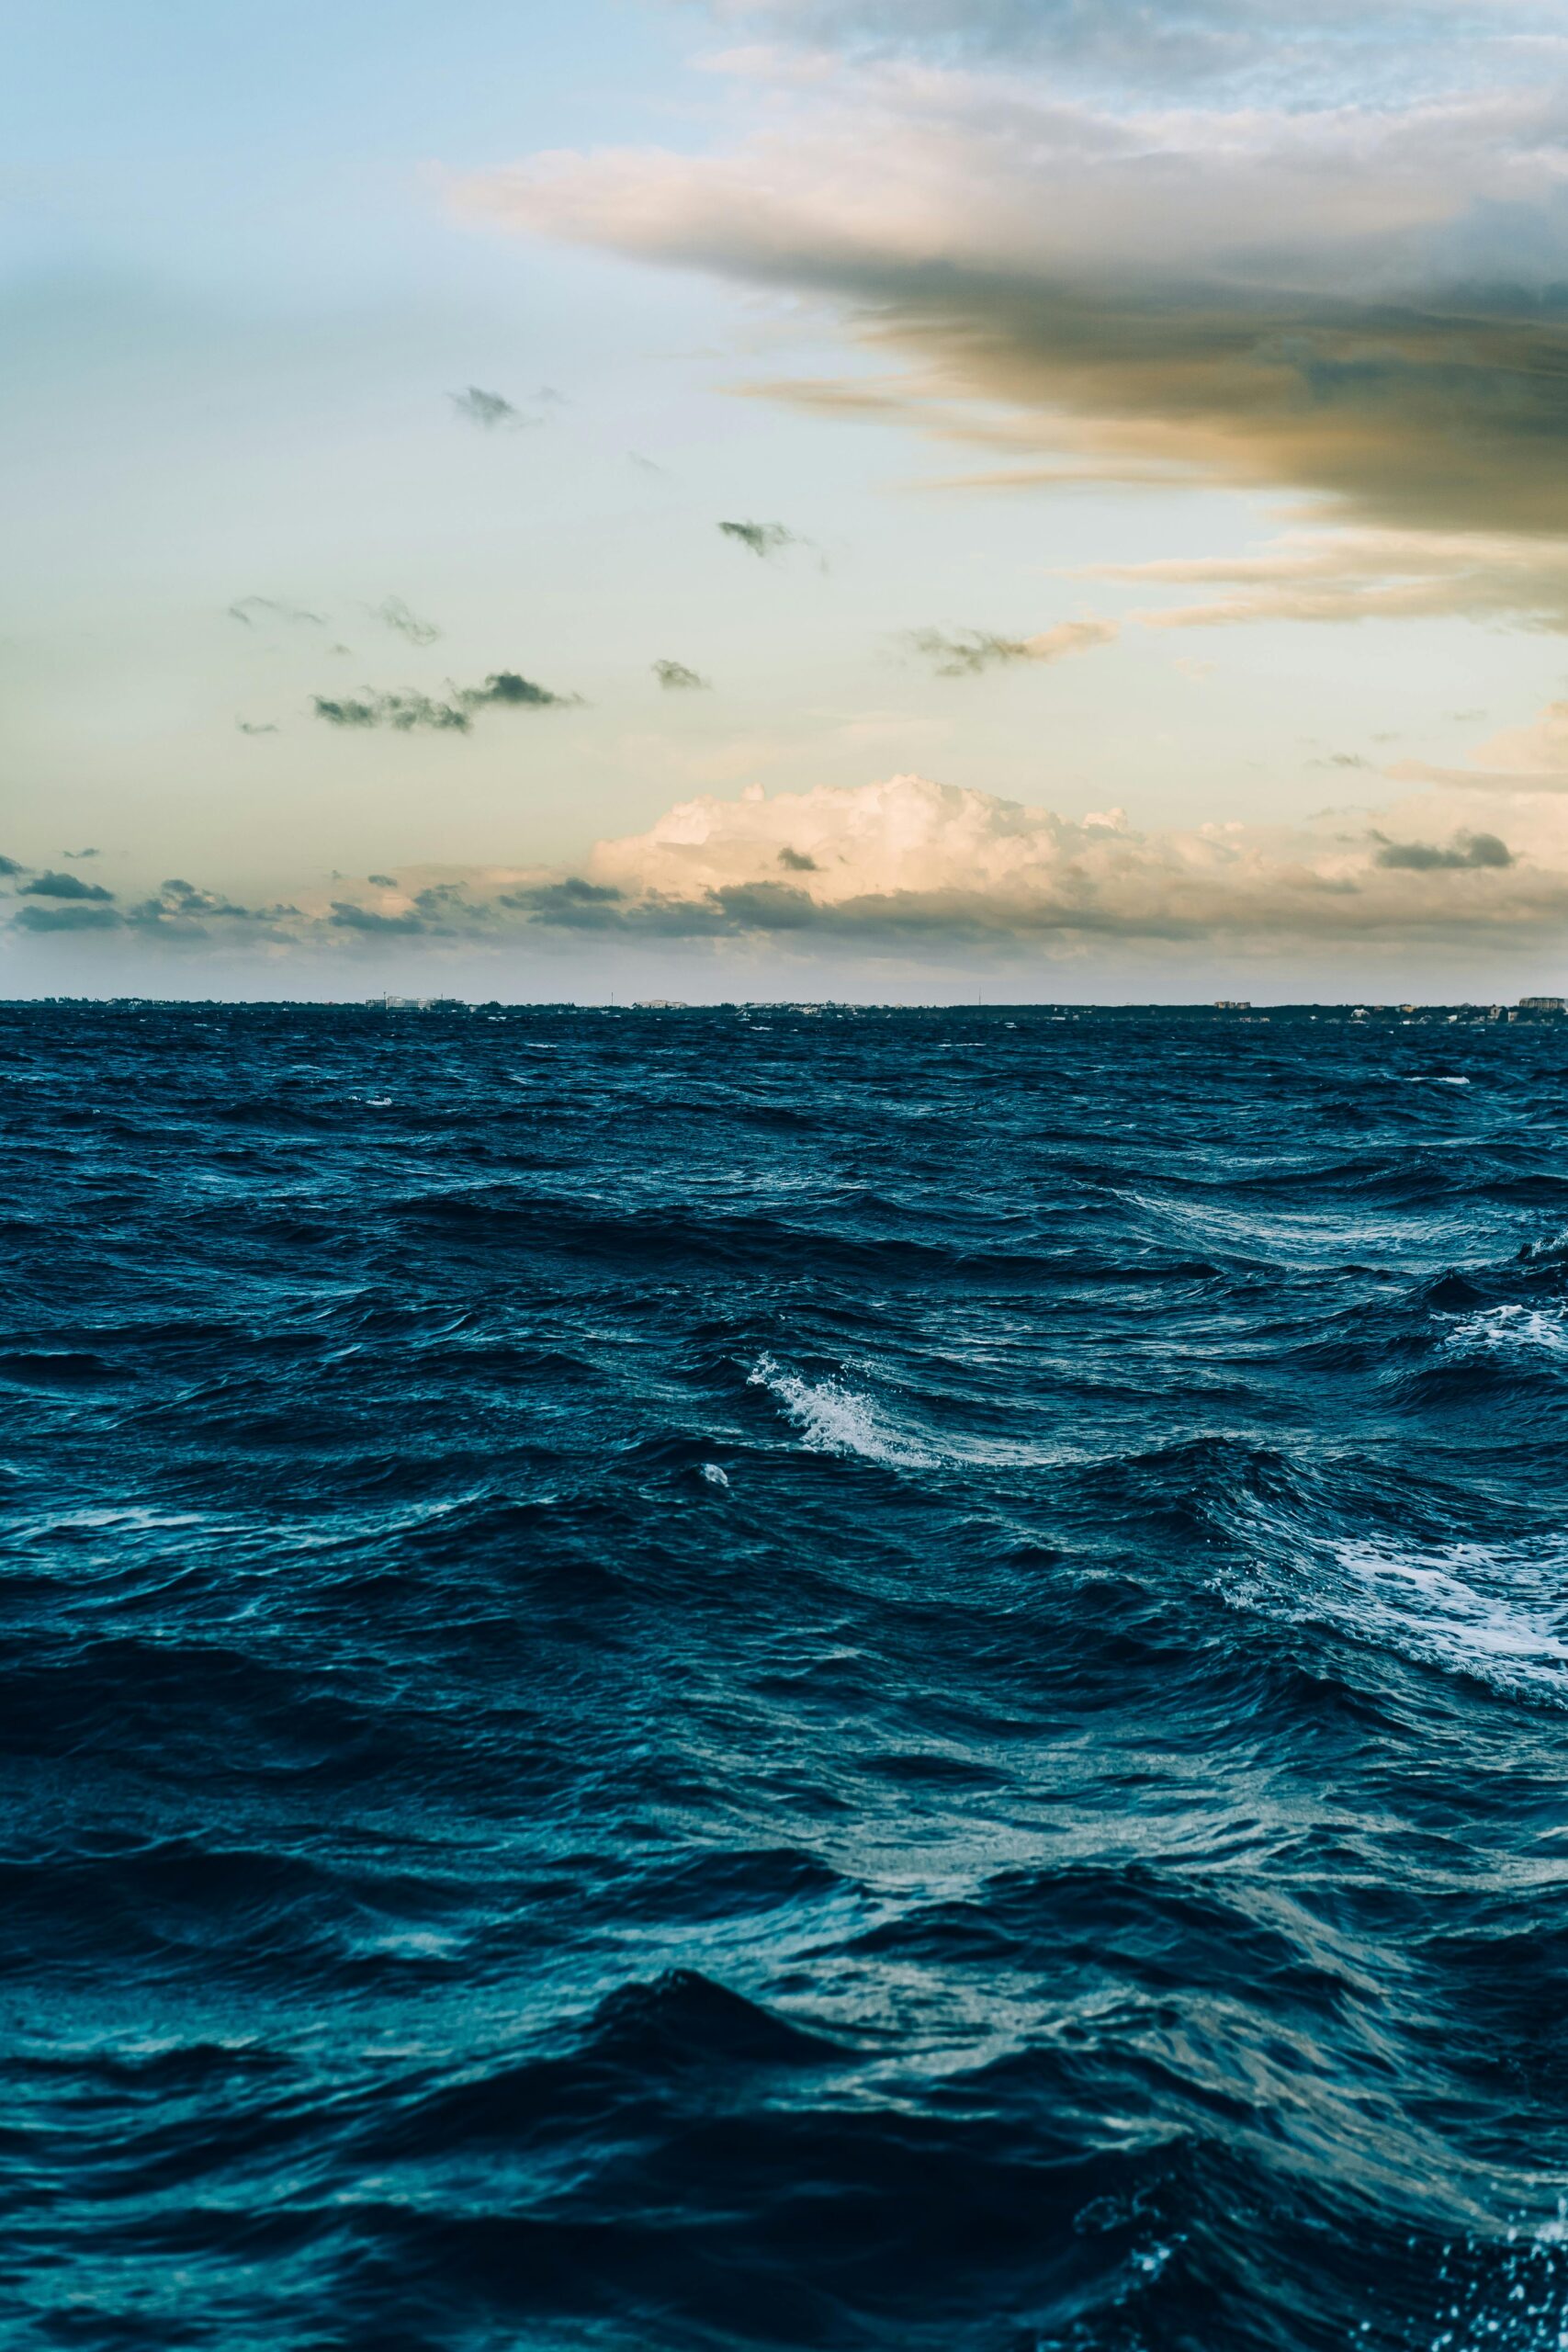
910	857
489	411
65	886
393	614
504	690
675	677
1465	850
972	650
1359	302
764	538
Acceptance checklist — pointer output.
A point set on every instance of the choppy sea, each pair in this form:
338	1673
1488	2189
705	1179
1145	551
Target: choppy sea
738	1678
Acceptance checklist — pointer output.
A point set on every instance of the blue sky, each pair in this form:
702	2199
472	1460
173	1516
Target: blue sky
1145	590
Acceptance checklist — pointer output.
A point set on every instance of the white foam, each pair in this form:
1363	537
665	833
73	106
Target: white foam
1497	1611
835	1419
1509	1330
714	1476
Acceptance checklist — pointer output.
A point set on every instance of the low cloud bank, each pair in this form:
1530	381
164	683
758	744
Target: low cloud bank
910	867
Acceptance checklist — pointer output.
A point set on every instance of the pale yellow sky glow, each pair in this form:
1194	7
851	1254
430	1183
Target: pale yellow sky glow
740	517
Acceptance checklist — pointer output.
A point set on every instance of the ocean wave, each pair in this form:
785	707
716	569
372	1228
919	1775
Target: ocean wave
1497	1612
1511	1330
833	1418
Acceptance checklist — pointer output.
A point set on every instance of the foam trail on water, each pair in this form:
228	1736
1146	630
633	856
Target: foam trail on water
1494	1611
1509	1330
835	1419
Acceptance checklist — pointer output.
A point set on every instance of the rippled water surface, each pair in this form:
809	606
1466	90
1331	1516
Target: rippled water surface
689	1680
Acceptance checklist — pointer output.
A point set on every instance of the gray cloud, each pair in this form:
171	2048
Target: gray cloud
77	854
65	886
395	614
488	410
1365	304
675	678
382	881
1149	45
969	653
504	690
1467	850
794	861
10	867
251	609
68	918
345	916
253	727
764	538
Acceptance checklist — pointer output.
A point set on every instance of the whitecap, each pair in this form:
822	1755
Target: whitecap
1497	1611
714	1476
835	1419
1509	1330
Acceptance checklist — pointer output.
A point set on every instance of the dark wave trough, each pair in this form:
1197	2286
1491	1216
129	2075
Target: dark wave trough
848	1680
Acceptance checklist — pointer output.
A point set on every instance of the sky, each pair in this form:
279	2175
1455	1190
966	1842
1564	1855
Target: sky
897	499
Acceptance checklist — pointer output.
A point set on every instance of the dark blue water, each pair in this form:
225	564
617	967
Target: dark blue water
860	1680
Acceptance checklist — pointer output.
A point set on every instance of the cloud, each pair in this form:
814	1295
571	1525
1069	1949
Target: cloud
77	854
68	918
1360	303
251	609
344	916
1340	577
395	614
764	538
1531	759
181	909
675	678
382	881
65	886
488	410
966	655
503	689
253	727
9	867
1467	850
1153	44
910	858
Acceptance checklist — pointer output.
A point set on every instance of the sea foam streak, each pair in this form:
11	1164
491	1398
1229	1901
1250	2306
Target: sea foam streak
1493	1610
835	1420
1509	1330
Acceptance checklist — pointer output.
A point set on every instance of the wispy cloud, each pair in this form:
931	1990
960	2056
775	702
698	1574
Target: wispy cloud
970	651
1356	303
404	712
489	411
252	610
393	614
764	538
676	678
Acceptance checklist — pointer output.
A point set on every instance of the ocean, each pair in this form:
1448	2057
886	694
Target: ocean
782	1678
